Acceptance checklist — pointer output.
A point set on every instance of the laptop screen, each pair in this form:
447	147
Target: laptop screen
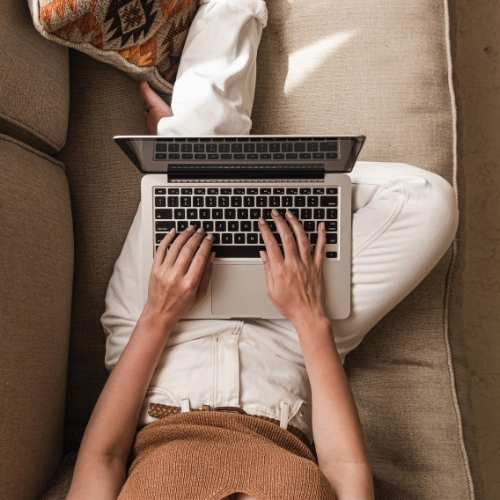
248	155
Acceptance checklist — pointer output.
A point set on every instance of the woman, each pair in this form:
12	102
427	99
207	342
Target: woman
166	371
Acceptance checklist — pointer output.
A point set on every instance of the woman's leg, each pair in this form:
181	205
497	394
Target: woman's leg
404	219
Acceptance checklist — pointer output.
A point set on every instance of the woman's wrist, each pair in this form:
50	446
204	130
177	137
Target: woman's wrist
314	332
156	322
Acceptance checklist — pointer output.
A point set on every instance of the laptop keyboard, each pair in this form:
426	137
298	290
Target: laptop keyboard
247	148
231	214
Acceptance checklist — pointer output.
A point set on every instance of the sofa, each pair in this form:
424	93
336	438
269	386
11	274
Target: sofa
68	196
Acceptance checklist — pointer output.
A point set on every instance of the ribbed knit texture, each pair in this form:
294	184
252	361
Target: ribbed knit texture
210	455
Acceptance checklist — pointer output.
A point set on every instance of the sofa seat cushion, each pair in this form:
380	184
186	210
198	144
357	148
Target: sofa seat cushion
34	89
144	39
376	68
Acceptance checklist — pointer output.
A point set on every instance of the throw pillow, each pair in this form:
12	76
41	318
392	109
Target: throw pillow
144	38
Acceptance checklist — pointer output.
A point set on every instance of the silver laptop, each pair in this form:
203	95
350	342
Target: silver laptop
225	183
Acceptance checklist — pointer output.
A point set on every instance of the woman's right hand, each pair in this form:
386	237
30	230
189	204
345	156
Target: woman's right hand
294	282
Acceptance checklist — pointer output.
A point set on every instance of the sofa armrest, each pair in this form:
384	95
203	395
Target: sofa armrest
36	269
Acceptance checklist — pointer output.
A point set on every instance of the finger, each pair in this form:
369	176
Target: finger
162	248
267	270
319	249
289	245
205	278
272	247
301	237
177	245
200	259
149	96
188	250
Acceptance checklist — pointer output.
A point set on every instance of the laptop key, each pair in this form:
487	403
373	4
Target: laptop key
205	213
198	201
331	238
227	239
160	191
213	156
274	201
236	201
254	213
230	213
217	213
160	201
312	201
211	201
220	226
185	201
319	213
266	213
208	225
331	213
179	213
233	226
249	201
182	224
242	213
192	213
329	201
306	213
309	226
237	251
223	201
331	255
163	214
262	201
173	201
216	240
246	225
239	238
166	225
252	238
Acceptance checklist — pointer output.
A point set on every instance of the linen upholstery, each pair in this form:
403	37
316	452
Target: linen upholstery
36	268
402	374
405	373
34	86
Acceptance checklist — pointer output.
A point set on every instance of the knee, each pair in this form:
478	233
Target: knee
438	202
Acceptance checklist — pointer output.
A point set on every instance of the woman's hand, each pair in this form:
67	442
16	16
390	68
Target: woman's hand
295	282
176	283
156	107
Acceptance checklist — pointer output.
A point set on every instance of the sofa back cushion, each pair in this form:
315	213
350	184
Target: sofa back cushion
34	86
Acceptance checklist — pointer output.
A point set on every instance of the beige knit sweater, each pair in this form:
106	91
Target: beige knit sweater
209	455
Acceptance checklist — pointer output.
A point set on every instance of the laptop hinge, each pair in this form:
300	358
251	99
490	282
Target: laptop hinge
239	172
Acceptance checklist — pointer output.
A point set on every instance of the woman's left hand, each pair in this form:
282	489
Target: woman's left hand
156	107
180	276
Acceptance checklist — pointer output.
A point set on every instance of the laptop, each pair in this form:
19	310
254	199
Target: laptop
225	183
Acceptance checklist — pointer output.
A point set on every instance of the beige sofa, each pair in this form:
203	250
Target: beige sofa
68	196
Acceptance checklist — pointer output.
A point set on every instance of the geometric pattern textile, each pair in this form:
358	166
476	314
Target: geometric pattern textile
145	38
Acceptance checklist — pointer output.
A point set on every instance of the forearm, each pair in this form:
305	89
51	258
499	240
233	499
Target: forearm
113	424
337	429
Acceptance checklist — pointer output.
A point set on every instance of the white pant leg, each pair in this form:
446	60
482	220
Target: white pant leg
215	85
404	219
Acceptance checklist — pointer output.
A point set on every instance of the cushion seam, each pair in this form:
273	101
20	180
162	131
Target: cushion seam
30	129
451	268
31	149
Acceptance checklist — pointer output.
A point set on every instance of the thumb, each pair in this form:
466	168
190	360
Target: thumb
205	279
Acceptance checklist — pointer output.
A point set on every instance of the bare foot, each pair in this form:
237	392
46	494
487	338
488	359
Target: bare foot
156	107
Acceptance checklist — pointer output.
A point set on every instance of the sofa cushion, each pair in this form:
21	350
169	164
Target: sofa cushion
144	39
36	266
34	93
376	68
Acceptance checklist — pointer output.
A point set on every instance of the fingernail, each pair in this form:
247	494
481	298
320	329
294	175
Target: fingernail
210	236
200	230
261	220
275	212
212	257
172	230
190	228
263	256
289	214
322	225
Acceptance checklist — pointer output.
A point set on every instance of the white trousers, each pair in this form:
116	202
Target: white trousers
403	220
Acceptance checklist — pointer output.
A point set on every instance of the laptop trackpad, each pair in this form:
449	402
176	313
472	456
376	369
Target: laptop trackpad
240	291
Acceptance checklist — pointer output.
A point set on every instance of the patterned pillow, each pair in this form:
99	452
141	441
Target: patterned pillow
144	38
